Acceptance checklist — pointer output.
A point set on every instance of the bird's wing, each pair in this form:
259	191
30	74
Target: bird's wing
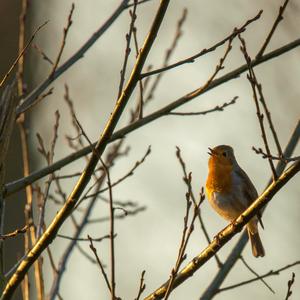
249	191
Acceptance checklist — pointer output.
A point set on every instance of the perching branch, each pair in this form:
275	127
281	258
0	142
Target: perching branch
226	234
238	248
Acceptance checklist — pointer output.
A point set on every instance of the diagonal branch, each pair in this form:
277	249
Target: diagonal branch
31	98
50	234
226	234
17	185
191	59
277	21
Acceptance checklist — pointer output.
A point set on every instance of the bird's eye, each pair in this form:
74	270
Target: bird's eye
224	154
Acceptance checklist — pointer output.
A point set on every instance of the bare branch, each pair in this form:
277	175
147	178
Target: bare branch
217	108
127	47
15	232
65	33
142	286
277	21
42	53
256	274
228	232
31	98
270	273
99	263
290	284
191	59
21	54
255	86
100	239
282	158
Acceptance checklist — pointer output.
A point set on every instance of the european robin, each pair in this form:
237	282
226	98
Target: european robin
230	191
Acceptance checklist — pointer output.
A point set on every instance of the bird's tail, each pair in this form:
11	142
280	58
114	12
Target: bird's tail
256	244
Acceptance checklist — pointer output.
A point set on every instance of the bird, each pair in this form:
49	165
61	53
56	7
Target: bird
230	192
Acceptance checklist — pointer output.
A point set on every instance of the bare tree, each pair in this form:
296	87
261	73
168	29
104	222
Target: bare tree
86	209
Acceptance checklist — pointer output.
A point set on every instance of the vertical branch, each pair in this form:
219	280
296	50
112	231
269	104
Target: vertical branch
112	233
290	284
141	88
269	118
29	238
49	157
254	84
127	48
99	263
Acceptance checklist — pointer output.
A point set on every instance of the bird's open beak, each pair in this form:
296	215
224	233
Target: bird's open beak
211	151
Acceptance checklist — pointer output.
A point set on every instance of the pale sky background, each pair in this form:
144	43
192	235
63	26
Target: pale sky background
149	241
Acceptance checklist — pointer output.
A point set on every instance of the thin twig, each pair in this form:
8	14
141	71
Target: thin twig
42	53
21	53
277	21
49	158
142	286
269	118
85	254
100	239
282	158
141	87
256	274
290	284
127	48
99	263
268	274
254	85
63	43
217	108
15	232
121	179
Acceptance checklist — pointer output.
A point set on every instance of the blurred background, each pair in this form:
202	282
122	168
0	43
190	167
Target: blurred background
149	241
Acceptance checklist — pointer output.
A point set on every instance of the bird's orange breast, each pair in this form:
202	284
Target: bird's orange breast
219	178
